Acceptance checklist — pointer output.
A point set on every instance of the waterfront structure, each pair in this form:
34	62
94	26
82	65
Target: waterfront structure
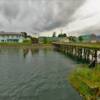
53	39
98	38
11	37
48	39
86	52
90	38
64	40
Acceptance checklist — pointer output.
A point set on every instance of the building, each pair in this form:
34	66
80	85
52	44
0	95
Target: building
64	40
47	39
88	38
98	38
53	39
92	38
11	37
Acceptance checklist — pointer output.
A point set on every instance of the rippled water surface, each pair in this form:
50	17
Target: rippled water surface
27	74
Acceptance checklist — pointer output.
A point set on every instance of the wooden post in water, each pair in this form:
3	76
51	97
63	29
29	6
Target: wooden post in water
95	55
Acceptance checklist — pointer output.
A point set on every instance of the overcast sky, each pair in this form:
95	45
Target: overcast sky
46	16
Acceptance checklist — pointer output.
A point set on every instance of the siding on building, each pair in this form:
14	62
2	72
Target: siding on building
91	38
11	37
98	38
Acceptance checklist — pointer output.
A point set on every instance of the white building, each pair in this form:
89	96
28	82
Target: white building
11	37
64	39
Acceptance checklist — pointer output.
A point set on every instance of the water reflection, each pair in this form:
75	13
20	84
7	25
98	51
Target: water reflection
45	51
27	51
35	74
18	51
34	51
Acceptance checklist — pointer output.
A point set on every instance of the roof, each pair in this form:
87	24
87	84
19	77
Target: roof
9	33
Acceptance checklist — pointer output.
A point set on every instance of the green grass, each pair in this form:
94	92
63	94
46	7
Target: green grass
86	81
89	45
85	45
14	44
25	45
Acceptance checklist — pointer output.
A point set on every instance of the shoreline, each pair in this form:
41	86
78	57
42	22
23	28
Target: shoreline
86	82
23	45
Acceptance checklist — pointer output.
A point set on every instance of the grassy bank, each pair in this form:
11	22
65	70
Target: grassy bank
24	45
14	44
87	82
84	45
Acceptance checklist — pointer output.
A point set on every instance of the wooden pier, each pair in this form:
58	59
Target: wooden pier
86	52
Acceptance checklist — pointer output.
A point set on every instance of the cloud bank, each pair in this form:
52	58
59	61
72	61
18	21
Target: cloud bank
86	18
45	16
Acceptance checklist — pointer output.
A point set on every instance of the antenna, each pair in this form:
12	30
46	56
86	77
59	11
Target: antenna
61	31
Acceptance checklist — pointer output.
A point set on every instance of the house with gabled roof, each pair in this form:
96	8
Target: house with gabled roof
11	37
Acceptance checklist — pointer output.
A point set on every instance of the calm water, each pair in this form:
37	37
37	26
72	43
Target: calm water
35	75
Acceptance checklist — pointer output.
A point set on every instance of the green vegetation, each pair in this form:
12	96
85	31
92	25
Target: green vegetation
62	35
85	45
27	41
54	34
25	45
80	38
73	39
46	40
87	82
31	39
89	45
16	44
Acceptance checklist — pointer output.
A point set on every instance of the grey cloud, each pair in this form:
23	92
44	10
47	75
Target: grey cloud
57	13
39	15
10	9
89	30
1	25
92	29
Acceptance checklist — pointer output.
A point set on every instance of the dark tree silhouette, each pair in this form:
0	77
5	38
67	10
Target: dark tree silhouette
54	34
62	35
72	38
24	34
80	38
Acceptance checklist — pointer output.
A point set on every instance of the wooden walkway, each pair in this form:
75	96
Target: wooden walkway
86	52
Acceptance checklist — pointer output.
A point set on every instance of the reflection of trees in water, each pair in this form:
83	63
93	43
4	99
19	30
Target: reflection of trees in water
26	51
10	51
46	50
19	51
34	51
